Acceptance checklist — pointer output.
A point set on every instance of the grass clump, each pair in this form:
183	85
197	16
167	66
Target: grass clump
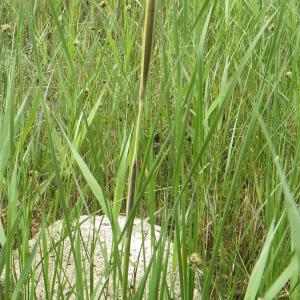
215	152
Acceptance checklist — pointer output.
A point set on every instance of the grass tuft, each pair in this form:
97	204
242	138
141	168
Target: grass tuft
212	157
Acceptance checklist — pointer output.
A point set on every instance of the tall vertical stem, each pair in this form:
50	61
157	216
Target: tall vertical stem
145	64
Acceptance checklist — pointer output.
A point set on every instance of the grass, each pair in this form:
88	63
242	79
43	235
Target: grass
218	159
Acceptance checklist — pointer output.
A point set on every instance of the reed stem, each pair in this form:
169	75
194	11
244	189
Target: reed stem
145	65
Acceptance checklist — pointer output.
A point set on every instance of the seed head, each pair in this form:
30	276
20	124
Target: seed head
5	27
103	4
271	27
195	262
288	74
76	43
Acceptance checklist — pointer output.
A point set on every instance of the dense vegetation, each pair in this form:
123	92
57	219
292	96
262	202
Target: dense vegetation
218	164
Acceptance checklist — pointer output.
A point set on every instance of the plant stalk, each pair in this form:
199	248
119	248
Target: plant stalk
145	65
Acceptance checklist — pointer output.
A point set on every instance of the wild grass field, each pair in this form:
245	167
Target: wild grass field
218	161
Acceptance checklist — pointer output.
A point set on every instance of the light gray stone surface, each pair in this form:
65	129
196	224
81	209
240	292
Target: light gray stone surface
93	231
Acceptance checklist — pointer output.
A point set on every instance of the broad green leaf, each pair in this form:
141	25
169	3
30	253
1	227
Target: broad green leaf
282	279
121	178
258	270
90	179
